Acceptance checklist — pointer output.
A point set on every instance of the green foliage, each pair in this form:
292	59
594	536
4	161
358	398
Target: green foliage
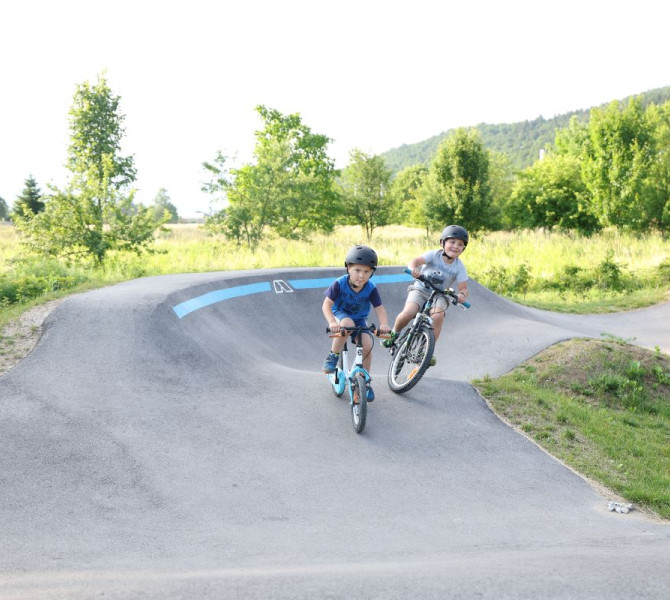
550	194
29	202
606	277
606	167
459	191
585	401
290	189
657	203
366	195
507	281
96	132
4	209
616	160
609	275
162	210
664	272
88	219
29	280
404	190
521	142
93	214
501	181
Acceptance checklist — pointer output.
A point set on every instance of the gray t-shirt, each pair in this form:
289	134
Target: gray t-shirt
438	270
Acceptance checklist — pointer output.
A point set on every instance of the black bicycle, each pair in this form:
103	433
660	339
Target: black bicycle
413	350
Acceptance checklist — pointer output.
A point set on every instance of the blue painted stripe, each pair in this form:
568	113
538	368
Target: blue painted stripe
399	278
324	282
219	295
193	304
308	284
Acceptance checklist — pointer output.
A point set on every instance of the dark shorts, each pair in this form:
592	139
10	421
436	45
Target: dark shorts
357	322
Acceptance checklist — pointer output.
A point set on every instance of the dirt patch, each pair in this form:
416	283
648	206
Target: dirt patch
20	336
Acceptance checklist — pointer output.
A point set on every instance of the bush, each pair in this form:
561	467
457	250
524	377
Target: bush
32	280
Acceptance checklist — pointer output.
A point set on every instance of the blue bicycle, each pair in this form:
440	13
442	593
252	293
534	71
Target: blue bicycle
355	379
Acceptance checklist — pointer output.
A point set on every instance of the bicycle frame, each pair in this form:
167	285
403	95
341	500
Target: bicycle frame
424	314
413	350
356	379
343	377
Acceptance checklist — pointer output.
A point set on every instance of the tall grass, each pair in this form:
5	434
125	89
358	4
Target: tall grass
609	271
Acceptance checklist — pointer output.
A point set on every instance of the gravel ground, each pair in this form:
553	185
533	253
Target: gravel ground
20	336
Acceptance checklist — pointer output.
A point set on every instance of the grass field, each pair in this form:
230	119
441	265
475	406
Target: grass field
564	272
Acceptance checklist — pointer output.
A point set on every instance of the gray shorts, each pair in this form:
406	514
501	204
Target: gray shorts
420	296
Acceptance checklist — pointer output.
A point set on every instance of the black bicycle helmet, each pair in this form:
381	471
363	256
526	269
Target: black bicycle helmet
454	231
361	255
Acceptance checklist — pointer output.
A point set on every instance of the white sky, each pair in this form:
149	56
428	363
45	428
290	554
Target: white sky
370	74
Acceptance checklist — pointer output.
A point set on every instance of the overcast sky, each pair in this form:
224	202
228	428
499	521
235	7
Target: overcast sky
370	74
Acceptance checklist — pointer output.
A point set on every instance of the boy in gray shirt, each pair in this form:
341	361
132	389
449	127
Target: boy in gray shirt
443	266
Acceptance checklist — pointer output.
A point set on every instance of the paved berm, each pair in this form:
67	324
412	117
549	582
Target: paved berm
146	455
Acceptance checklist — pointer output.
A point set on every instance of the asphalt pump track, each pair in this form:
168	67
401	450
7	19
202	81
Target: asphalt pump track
174	437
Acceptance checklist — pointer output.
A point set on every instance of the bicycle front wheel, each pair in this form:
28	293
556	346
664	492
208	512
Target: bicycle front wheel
359	405
411	360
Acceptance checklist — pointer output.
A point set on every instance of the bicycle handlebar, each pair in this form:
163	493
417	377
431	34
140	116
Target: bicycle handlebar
344	331
448	292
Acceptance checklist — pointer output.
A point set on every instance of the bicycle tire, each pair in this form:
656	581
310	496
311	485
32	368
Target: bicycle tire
411	360
359	405
341	385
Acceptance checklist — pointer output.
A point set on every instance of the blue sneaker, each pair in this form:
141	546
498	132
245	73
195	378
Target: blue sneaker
369	392
330	364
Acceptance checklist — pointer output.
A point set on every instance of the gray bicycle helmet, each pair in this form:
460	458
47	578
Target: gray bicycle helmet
361	255
454	231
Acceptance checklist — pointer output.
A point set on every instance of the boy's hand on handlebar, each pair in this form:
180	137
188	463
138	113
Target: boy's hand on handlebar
383	329
334	327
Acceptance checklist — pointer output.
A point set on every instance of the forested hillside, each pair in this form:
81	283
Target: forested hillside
521	141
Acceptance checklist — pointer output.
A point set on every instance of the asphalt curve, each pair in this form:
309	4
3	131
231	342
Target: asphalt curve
174	437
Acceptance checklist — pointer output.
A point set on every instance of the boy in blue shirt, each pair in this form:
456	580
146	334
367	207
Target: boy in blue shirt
347	304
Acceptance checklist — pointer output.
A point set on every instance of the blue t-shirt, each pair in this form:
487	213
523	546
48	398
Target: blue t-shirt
348	303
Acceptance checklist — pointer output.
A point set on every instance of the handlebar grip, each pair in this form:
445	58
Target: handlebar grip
466	304
408	271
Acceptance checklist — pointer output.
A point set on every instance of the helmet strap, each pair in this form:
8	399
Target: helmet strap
349	282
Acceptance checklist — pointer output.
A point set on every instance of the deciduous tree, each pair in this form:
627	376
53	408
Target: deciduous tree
551	194
95	212
618	156
162	208
290	189
366	184
460	172
404	188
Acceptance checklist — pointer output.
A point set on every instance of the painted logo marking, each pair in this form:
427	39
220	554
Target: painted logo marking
280	286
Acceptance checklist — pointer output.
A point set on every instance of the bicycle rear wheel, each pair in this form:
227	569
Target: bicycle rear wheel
359	406
411	360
